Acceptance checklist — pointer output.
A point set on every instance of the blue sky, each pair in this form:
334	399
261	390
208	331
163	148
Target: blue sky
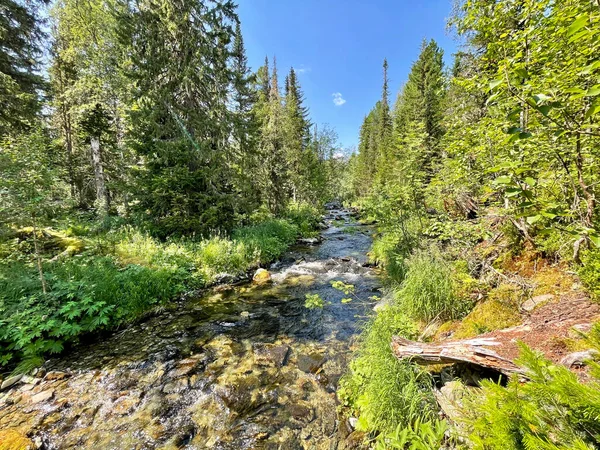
338	46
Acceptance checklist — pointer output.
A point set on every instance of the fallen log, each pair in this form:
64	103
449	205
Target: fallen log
471	351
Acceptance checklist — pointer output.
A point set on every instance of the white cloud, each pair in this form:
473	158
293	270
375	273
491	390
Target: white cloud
338	100
302	69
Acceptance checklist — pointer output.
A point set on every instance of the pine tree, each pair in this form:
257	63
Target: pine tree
245	127
422	96
182	126
274	168
20	53
297	136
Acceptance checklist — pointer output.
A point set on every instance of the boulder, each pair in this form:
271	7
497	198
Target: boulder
261	276
450	398
533	302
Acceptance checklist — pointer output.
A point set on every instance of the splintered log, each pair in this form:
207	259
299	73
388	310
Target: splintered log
471	351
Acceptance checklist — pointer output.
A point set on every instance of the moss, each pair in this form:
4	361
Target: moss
487	316
13	440
446	329
508	294
552	280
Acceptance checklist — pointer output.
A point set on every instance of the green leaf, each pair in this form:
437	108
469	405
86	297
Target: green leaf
504	179
533	219
577	25
530	181
495	83
590	68
544	109
593	91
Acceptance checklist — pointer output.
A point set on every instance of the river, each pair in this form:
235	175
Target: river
239	367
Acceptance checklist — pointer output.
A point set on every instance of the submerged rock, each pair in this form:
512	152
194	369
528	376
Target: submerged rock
270	354
310	363
14	440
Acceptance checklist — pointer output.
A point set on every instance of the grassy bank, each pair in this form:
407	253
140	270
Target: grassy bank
98	280
462	278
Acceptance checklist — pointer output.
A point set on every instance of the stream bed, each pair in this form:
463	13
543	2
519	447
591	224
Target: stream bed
239	367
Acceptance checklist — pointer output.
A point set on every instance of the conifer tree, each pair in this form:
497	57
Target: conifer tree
275	176
245	126
182	125
20	53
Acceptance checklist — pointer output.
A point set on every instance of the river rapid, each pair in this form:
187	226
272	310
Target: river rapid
239	367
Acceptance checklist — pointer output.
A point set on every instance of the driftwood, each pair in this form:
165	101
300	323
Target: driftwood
471	351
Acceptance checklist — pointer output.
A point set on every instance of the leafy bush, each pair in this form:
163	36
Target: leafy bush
430	289
83	296
553	411
589	273
305	216
267	240
384	391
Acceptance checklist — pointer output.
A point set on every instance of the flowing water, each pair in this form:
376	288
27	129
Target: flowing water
236	368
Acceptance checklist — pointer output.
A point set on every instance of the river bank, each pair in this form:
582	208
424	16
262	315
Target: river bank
242	366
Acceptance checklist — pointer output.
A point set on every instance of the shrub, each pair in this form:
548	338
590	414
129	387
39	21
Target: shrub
553	411
384	391
589	272
430	289
84	295
305	216
267	240
390	251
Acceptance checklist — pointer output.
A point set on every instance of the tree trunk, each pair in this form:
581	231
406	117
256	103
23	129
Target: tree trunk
468	351
101	192
38	258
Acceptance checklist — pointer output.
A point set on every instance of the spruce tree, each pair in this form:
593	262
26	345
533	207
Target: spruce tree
245	127
182	125
20	54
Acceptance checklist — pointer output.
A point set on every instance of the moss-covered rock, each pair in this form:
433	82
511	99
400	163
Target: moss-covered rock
12	439
487	316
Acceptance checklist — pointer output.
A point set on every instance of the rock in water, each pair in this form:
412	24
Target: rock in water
310	363
10	381
13	439
269	354
42	396
261	276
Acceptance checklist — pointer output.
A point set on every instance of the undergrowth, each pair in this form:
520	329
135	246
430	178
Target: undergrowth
552	411
430	290
382	390
120	274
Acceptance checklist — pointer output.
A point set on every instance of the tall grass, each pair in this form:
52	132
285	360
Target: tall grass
430	290
384	391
